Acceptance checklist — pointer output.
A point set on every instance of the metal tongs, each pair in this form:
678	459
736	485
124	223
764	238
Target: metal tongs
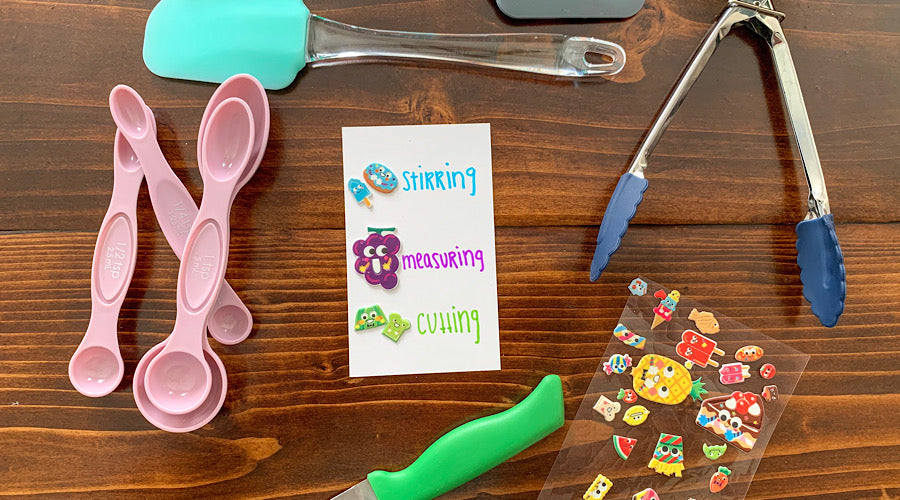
818	252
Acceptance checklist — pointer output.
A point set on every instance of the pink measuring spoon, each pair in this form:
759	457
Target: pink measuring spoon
96	368
179	379
175	209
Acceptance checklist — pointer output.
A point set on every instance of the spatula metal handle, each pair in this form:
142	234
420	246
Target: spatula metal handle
473	448
331	42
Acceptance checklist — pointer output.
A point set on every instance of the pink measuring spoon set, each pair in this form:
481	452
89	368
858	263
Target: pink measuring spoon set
179	384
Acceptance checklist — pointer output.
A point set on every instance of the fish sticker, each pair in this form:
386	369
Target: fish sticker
662	380
705	321
668	457
748	353
630	338
617	363
598	489
636	415
697	349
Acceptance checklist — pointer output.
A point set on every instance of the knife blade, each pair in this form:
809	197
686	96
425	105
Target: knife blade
469	450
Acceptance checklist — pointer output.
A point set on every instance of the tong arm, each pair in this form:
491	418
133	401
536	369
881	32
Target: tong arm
732	15
770	29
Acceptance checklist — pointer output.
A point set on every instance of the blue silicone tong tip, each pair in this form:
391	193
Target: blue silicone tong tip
622	206
822	268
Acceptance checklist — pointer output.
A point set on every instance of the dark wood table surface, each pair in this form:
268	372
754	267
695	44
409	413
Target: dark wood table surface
726	190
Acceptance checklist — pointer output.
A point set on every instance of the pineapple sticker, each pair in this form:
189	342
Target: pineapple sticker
663	380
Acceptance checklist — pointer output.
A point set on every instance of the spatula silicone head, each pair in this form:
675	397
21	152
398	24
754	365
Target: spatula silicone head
210	40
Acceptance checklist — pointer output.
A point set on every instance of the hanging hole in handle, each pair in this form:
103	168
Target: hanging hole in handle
594	58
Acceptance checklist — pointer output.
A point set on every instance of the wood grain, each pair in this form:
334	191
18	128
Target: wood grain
726	188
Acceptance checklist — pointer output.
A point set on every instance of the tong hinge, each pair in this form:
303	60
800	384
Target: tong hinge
758	8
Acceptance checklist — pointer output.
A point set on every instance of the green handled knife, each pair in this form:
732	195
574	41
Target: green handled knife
469	450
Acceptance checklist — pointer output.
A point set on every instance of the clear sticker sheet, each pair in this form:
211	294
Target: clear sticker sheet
671	438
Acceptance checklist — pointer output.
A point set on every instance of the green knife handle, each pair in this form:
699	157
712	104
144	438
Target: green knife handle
475	447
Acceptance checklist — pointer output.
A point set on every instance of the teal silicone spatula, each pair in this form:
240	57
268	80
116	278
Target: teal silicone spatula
469	450
211	40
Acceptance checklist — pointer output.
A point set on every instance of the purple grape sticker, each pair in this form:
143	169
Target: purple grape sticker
376	257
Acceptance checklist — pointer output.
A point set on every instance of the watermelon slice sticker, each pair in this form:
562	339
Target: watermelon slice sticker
623	445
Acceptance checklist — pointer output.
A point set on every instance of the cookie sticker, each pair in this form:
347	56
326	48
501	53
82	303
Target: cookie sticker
380	178
697	349
617	363
736	418
369	317
662	380
666	306
607	408
705	321
628	337
377	257
668	458
598	489
734	373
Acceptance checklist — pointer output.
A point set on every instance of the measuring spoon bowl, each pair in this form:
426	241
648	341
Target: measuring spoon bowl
189	421
248	89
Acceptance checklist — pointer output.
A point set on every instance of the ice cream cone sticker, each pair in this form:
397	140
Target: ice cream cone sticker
666	306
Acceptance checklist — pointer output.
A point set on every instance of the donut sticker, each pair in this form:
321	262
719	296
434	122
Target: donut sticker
380	177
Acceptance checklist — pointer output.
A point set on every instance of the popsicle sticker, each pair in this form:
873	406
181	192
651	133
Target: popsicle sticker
697	349
360	192
666	307
733	373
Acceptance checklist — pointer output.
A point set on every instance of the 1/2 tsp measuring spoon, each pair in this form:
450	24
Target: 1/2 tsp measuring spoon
96	368
179	379
175	209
